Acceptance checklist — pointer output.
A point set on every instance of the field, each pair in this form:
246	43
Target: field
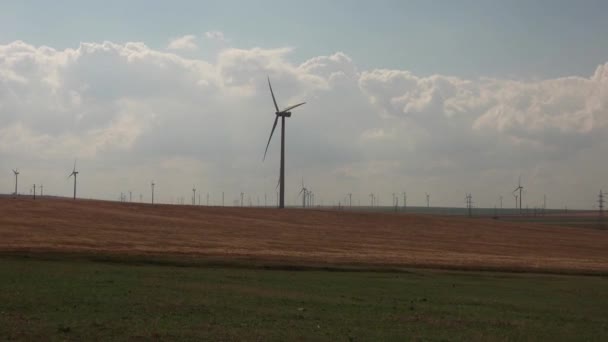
80	300
298	237
93	270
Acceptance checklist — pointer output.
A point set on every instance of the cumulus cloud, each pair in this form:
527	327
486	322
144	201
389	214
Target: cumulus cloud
187	42
129	112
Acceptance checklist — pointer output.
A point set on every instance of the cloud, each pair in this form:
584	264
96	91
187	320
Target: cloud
127	111
187	43
215	35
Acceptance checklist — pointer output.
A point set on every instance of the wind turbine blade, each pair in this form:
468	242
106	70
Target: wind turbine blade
301	192
292	107
272	93
74	170
276	119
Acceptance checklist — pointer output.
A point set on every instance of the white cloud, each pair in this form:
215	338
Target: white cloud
215	35
127	111
187	42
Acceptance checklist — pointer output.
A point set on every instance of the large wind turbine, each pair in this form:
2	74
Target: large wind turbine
16	172
75	174
285	113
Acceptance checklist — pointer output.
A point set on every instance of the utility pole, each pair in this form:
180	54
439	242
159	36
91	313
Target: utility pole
469	200
601	202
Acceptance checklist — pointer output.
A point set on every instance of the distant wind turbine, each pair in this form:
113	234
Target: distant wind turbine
152	184
520	188
75	174
285	113
16	172
303	193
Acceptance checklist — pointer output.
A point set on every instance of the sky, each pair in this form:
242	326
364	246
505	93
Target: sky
438	97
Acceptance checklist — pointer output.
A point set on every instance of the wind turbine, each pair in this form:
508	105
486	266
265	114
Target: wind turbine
152	184
520	188
428	200
193	195
75	174
285	113
303	191
16	172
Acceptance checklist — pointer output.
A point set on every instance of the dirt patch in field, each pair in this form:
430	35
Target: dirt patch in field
297	236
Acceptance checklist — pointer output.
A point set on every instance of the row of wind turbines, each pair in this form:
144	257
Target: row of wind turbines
308	197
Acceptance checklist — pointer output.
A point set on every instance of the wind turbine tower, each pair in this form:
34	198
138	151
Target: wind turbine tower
16	172
285	113
75	174
428	200
152	184
193	195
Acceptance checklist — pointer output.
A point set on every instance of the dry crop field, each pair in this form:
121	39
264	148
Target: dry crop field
297	237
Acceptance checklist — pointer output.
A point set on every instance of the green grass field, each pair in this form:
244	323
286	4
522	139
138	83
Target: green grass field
70	299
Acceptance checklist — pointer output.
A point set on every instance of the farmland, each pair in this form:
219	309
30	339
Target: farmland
74	270
298	237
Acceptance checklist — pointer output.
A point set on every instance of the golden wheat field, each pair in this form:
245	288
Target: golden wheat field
296	236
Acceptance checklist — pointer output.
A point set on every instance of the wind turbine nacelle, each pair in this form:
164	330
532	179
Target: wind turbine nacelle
285	114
